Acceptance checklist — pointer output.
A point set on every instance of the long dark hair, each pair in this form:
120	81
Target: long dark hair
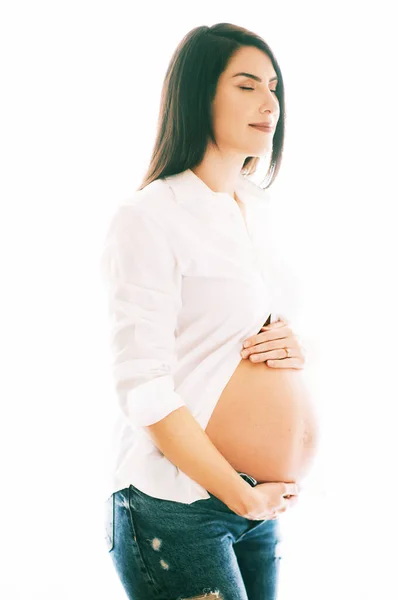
184	125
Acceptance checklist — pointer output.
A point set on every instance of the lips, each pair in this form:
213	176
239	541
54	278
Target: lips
263	127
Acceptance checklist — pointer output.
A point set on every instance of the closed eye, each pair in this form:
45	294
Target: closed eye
249	88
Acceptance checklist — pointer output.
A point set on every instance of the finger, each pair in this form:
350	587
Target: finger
276	346
280	333
272	349
291	489
279	323
291	502
277	332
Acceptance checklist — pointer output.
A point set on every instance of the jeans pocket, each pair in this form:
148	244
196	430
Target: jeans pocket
110	522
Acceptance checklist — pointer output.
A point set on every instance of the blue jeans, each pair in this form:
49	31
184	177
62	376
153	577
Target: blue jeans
168	550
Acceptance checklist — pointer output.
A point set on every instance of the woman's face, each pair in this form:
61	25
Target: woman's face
234	108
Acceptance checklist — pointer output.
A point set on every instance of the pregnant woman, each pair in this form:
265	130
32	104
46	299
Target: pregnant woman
211	444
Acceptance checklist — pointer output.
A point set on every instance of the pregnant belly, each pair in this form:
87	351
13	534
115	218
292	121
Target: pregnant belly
264	424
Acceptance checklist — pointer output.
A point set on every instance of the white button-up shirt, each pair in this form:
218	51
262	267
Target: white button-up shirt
189	278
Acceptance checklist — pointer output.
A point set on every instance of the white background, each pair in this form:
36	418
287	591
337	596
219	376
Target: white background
80	92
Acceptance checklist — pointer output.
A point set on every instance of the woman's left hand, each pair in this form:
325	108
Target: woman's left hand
269	345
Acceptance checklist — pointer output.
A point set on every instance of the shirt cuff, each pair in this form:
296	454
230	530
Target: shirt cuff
152	401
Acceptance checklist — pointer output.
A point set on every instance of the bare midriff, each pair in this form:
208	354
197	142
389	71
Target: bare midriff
264	423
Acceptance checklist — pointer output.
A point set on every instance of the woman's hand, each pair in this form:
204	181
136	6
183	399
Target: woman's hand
269	500
269	347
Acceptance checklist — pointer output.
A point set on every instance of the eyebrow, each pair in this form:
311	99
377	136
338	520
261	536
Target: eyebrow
255	77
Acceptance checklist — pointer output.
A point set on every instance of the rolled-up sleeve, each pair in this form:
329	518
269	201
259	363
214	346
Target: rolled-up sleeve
141	270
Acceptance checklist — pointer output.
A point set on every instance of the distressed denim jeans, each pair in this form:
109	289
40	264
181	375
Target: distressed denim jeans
168	550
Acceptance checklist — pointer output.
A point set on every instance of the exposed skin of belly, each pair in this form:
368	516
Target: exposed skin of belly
264	424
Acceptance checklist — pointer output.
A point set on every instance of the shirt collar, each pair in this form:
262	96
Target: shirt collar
187	186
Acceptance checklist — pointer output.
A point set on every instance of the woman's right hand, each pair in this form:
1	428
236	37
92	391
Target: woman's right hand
270	499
